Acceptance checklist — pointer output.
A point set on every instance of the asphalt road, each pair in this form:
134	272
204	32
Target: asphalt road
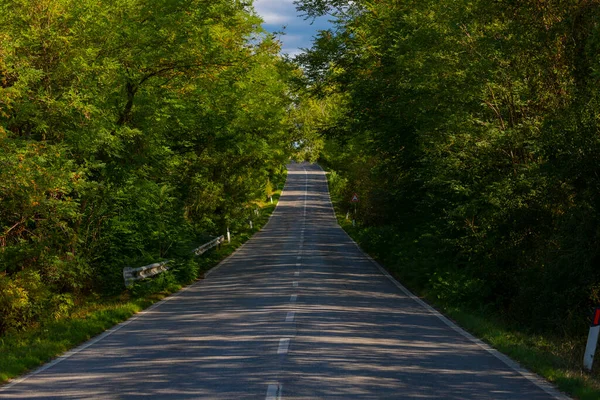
299	312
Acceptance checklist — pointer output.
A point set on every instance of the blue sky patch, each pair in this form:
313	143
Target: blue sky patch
299	32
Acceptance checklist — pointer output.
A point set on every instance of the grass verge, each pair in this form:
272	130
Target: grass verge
21	352
558	360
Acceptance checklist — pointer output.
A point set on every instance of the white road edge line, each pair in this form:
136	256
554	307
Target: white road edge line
117	327
284	346
533	378
222	263
91	342
274	392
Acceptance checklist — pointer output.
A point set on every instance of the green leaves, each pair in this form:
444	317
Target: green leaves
128	129
474	125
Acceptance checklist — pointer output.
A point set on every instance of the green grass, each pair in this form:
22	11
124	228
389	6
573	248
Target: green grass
21	352
559	360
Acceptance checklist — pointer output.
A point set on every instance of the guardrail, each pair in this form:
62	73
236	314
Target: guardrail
134	274
213	243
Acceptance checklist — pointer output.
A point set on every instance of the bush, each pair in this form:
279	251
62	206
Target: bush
337	185
186	271
22	300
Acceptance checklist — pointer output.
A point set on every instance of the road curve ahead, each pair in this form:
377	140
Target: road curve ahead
299	312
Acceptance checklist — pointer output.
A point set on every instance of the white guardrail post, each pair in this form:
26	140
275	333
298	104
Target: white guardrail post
134	274
590	348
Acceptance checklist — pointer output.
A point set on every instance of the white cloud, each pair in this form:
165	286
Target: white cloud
275	11
274	18
292	52
280	13
294	40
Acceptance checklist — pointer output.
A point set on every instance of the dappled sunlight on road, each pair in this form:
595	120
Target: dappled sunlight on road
298	306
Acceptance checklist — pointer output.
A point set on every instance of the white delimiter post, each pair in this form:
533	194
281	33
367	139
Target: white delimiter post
590	348
228	236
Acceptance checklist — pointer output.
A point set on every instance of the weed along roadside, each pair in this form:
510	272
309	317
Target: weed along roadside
26	350
557	359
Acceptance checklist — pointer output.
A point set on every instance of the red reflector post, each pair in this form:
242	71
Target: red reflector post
596	318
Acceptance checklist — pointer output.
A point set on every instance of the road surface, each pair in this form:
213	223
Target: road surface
299	312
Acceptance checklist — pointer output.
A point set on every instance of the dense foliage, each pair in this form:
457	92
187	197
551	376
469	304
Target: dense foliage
470	131
130	130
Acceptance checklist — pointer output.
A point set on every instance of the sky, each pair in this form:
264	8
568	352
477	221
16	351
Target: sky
299	32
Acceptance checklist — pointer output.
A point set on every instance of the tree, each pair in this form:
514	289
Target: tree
129	129
454	125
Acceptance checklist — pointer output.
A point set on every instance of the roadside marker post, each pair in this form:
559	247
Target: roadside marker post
590	348
228	236
354	200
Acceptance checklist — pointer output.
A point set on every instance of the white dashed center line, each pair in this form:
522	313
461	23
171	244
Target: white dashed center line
284	345
290	316
274	392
